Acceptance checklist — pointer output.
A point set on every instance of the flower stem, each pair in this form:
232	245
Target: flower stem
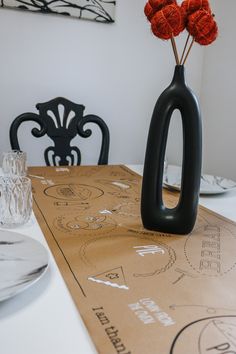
186	56
186	43
175	50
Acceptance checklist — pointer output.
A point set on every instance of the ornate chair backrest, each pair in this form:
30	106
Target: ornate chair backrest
61	120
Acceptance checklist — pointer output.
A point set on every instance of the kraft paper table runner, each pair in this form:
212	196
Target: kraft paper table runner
138	291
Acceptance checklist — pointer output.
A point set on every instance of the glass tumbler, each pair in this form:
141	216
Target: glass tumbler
14	163
15	201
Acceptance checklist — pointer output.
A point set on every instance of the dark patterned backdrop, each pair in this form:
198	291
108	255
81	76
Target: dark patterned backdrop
98	10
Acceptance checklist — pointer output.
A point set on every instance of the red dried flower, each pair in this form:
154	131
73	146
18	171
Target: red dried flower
202	26
152	6
168	22
168	19
159	4
190	6
148	10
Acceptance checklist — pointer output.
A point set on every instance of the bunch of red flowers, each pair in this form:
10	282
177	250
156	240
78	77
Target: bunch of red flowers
168	19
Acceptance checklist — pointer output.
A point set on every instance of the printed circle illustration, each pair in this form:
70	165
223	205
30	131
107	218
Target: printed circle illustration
139	256
208	248
208	335
84	225
73	192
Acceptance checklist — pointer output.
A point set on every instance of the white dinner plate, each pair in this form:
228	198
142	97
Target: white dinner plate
22	262
209	184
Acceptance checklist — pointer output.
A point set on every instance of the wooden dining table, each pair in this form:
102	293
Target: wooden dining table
44	319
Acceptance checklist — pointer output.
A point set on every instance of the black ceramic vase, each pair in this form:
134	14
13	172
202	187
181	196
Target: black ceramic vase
155	215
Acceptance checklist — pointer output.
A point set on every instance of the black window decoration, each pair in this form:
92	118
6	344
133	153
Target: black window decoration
98	10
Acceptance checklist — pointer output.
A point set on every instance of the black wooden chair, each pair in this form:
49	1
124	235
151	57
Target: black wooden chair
62	125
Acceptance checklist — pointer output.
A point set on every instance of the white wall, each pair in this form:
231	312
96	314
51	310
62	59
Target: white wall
218	95
116	70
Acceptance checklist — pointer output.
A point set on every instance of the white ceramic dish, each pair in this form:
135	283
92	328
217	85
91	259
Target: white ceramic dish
22	262
209	184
